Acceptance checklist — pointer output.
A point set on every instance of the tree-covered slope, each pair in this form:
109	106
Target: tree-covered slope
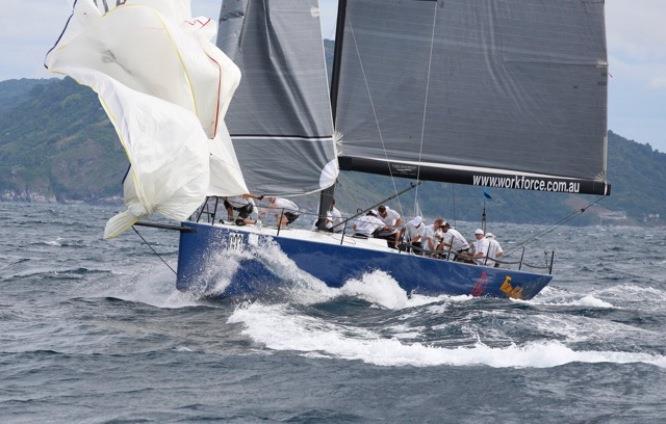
638	175
12	92
56	142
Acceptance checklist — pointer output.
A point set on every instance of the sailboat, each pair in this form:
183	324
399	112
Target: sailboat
509	94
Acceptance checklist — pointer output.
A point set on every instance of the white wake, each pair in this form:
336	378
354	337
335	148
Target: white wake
278	328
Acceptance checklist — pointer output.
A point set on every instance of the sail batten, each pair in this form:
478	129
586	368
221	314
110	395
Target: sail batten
517	85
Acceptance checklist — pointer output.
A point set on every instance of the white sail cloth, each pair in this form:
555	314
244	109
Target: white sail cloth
166	89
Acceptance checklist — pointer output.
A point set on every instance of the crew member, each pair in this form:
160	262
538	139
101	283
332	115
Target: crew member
454	242
392	230
244	205
285	210
432	237
495	251
368	225
415	230
333	219
481	247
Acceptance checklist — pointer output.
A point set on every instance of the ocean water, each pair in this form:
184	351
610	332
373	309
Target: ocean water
94	331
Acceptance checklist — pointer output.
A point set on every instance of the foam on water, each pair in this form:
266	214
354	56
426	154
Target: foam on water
587	301
277	328
376	287
584	329
594	302
379	288
154	286
635	293
56	242
402	331
221	269
303	288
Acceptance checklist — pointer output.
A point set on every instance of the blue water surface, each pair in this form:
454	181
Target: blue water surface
94	331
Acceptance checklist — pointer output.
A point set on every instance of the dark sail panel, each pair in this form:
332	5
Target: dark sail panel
449	90
280	118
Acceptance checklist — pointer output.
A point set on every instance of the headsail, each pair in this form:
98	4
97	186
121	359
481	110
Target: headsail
508	93
280	119
165	88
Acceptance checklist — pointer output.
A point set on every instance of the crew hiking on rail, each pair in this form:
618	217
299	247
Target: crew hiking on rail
437	240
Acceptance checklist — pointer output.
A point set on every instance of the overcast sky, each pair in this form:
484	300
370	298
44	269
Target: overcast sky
636	43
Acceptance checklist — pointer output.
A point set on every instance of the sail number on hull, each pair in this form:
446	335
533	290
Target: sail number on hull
235	242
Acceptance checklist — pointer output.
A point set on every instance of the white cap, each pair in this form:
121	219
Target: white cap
490	235
416	221
478	231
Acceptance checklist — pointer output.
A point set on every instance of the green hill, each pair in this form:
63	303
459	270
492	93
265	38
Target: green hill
13	91
56	144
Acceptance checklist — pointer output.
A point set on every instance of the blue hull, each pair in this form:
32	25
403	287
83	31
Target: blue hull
335	264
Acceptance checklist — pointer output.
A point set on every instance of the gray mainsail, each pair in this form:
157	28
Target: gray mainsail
509	93
280	118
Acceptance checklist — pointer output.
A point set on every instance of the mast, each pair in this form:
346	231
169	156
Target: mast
327	196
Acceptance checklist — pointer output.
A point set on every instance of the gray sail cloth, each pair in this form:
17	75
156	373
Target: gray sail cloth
280	118
518	85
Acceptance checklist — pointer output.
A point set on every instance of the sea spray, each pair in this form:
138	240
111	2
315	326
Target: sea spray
277	327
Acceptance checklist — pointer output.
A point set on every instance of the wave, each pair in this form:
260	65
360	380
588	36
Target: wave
576	329
634	292
153	285
61	242
276	328
587	301
220	270
375	287
56	274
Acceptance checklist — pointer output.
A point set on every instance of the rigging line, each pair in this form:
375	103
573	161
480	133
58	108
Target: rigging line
455	214
154	251
564	220
374	113
425	104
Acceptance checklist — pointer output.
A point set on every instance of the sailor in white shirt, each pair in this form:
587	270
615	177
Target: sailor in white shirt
454	242
285	210
415	230
393	225
368	225
432	235
495	251
333	218
481	247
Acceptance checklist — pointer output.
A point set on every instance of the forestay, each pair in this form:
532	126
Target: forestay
166	88
509	93
280	119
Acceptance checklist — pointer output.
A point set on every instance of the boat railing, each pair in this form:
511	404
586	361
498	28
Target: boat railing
450	255
206	210
279	225
521	262
210	213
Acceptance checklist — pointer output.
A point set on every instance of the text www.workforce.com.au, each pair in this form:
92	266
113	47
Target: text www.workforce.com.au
526	183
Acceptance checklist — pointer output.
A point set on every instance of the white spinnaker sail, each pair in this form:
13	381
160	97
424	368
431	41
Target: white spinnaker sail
166	89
